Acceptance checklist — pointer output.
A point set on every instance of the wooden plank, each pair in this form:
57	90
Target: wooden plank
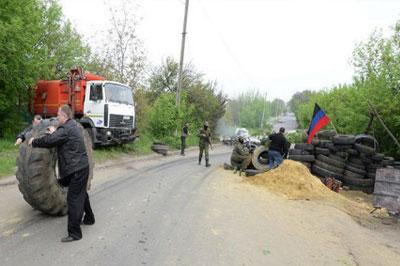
387	189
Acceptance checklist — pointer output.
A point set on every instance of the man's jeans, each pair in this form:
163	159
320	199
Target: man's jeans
275	158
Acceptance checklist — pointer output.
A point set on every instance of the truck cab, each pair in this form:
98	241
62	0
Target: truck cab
109	112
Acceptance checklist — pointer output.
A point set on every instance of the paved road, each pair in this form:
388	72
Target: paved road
288	122
171	211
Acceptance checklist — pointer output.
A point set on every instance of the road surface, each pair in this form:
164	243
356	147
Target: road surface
287	121
171	211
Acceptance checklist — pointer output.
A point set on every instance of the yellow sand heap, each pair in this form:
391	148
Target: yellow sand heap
294	180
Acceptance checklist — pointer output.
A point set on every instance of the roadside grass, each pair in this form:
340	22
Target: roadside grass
141	146
8	156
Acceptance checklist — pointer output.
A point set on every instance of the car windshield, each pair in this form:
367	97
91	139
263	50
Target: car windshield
118	93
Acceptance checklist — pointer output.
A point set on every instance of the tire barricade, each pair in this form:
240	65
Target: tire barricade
353	160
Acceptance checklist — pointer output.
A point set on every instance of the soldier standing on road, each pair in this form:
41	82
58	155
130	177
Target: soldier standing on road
204	143
185	133
277	148
21	136
241	157
73	168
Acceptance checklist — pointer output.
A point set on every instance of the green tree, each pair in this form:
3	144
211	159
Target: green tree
35	43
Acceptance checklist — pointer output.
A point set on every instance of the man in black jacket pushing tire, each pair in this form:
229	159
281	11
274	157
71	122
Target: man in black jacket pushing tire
73	168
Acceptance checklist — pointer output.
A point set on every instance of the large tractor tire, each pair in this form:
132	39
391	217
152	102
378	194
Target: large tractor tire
38	177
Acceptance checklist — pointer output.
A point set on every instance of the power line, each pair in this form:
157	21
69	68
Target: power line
226	45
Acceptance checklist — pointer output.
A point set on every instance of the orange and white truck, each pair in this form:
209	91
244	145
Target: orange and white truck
104	108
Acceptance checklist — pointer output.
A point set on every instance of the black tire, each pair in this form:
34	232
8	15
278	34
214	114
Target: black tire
343	148
326	134
378	157
37	176
298	152
342	154
329	167
344	139
337	158
364	149
371	175
358	166
351	174
332	147
323	151
331	161
306	164
304	146
356	170
302	158
355	160
160	148
360	182
352	152
321	172
91	136
366	160
260	152
325	143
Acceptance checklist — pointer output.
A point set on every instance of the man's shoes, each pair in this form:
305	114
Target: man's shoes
87	222
68	239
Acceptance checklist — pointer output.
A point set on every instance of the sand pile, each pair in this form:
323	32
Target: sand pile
293	180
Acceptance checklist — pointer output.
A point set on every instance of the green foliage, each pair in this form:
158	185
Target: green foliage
377	64
252	110
163	116
8	153
200	101
299	136
35	43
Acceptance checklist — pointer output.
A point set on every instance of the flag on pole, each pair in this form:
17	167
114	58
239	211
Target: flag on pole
318	121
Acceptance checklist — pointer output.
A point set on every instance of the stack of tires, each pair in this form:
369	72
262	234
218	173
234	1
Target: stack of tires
348	158
303	153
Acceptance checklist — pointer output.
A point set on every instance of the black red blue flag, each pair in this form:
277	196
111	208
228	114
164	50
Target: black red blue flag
318	121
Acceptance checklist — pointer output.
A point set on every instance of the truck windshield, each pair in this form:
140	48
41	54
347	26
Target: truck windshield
118	93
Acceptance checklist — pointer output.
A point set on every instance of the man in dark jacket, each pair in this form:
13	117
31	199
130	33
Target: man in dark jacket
185	133
241	157
277	148
73	168
21	136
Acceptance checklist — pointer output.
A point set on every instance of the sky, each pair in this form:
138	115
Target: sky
276	47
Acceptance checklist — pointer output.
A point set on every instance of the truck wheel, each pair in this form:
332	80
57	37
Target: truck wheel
37	175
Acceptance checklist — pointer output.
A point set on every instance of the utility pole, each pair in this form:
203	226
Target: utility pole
178	91
263	114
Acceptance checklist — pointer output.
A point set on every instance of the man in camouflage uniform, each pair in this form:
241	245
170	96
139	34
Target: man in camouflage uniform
204	143
241	156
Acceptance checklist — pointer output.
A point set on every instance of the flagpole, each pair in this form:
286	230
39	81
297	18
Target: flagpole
330	121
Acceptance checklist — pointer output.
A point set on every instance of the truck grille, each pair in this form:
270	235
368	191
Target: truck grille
121	121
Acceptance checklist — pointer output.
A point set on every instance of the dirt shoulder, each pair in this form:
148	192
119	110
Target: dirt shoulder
315	230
